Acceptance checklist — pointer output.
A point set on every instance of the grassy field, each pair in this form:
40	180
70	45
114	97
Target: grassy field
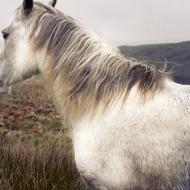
35	150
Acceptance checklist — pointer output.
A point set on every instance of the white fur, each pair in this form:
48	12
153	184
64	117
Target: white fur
126	140
17	59
22	51
103	145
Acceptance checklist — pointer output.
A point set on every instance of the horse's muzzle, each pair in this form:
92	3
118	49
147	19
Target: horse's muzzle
3	88
1	83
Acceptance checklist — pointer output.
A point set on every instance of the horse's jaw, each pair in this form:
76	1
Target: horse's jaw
5	90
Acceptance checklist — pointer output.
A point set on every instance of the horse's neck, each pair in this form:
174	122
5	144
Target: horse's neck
60	85
97	77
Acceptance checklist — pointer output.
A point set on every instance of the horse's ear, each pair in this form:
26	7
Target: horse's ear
27	6
53	3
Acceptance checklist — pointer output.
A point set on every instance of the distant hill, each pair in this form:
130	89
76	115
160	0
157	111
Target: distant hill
176	54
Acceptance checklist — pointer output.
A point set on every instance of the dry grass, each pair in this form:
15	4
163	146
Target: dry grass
37	163
28	107
35	151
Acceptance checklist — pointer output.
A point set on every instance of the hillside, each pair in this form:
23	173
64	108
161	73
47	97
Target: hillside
177	56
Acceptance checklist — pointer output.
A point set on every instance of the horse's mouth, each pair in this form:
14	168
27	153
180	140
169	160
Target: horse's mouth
2	83
4	91
3	88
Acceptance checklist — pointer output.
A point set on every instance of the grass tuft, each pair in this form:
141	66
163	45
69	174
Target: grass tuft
37	163
35	150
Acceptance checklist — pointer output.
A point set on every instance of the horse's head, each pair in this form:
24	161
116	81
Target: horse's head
17	59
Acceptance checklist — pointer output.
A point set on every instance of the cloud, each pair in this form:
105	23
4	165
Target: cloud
124	21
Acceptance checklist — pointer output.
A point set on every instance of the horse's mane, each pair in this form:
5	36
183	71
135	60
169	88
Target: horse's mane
89	63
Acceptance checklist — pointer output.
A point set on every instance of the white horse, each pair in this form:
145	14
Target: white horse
130	123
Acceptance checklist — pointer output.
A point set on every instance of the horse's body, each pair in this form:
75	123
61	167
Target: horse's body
130	124
135	146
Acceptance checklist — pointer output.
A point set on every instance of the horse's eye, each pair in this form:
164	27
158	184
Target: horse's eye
5	35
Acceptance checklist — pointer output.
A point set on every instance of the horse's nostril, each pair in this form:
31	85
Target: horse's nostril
1	83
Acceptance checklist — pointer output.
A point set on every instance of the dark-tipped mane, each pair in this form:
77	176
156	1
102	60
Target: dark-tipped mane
92	66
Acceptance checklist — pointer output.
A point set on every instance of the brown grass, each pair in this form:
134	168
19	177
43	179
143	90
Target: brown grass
28	107
35	150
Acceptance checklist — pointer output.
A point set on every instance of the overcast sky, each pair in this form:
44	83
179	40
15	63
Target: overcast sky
123	22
